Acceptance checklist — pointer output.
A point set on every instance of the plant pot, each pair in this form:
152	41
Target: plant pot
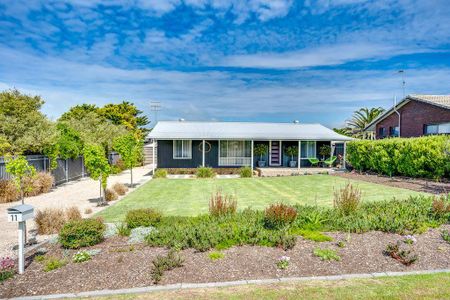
261	163
292	164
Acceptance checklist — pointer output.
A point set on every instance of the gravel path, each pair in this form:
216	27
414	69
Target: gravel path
83	194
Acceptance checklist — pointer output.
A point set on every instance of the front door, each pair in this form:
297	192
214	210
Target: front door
275	153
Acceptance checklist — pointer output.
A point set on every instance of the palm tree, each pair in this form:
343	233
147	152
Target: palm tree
361	118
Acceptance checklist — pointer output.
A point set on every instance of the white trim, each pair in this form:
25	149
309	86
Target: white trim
299	153
189	147
203	153
251	160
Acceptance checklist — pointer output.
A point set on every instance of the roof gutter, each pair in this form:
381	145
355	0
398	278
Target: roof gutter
399	115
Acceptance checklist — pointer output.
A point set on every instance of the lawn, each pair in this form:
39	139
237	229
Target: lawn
436	286
189	197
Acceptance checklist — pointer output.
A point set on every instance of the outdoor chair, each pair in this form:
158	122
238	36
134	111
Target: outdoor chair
329	162
313	161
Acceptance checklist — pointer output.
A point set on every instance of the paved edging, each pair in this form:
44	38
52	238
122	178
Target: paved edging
180	286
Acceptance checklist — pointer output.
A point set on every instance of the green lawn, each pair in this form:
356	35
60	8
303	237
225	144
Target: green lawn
190	197
436	286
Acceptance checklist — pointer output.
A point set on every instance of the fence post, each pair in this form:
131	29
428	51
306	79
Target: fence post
82	167
67	170
45	164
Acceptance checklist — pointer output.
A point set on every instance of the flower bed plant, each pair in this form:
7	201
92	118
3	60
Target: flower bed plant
82	233
7	266
143	217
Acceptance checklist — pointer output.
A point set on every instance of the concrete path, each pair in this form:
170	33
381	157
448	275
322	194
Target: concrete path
83	194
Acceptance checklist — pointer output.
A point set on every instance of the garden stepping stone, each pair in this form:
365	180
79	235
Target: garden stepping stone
138	234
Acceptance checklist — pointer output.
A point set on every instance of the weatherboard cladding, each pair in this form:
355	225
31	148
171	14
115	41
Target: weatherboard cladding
243	130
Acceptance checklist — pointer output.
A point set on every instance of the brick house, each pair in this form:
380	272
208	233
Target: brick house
415	115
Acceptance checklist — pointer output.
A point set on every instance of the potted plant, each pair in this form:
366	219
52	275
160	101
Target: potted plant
292	151
260	150
325	151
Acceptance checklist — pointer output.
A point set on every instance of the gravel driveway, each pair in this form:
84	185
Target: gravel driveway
83	194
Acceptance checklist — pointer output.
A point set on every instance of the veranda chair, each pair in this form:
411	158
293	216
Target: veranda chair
313	161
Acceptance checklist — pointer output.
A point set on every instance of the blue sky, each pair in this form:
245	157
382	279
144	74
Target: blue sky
258	60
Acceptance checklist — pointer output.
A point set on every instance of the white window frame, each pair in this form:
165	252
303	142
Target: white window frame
315	149
233	161
189	148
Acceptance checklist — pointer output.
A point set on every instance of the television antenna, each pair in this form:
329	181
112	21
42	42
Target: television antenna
155	106
402	73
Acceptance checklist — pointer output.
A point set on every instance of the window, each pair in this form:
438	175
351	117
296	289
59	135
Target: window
381	132
182	149
393	131
308	149
235	153
436	128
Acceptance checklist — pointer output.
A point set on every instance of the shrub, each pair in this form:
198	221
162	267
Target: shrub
326	254
313	235
220	204
441	205
279	215
120	189
347	199
215	255
53	263
193	171
8	191
165	263
40	183
81	256
205	172
88	211
400	252
73	213
46	181
445	234
7	268
143	217
82	233
49	220
283	263
245	172
160	173
110	195
123	230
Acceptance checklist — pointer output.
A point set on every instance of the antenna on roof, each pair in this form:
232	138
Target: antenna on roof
155	106
402	72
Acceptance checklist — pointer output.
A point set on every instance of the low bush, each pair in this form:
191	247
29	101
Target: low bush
279	215
42	182
445	234
221	204
160	173
402	253
215	255
143	217
165	263
123	230
193	171
51	220
347	199
283	263
120	189
110	195
46	181
441	205
118	167
8	191
81	256
53	263
246	172
73	213
7	268
326	254
205	172
82	233
88	211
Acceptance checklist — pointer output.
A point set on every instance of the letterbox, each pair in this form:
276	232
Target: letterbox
20	213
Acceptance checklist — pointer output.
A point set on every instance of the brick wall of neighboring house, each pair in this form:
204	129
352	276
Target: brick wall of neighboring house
414	115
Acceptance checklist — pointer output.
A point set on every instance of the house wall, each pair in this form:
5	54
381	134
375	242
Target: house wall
414	115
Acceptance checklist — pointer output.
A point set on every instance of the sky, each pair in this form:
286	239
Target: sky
228	60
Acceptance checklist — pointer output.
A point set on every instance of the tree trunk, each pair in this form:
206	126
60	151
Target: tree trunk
131	172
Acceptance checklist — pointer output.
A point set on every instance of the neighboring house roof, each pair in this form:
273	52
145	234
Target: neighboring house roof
243	130
442	101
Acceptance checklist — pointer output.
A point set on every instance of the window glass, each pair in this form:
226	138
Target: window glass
308	149
182	149
393	131
444	128
235	149
431	129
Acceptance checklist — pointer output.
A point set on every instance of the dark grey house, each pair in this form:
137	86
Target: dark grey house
185	144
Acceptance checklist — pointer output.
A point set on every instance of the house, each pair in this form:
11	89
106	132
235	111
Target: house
184	144
413	116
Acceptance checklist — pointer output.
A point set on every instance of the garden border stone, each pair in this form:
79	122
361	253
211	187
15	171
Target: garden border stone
181	286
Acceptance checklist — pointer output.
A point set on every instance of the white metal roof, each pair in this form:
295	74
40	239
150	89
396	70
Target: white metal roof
243	130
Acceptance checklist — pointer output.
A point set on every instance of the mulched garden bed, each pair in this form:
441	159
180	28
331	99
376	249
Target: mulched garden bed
415	184
120	265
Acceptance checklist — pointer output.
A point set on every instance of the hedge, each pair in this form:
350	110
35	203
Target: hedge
413	157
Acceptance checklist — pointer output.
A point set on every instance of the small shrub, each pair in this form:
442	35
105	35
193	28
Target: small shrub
143	217
279	215
8	191
165	263
7	268
39	258
216	255
313	235
81	256
326	254
220	204
49	220
46	181
246	172
397	251
409	239
73	213
341	244
53	263
160	173
441	205
283	263
40	183
110	195
205	172
123	230
120	189
88	211
445	234
347	200
82	233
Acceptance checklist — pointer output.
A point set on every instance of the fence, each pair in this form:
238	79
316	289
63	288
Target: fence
66	170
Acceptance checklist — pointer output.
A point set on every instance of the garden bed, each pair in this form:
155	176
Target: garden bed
120	265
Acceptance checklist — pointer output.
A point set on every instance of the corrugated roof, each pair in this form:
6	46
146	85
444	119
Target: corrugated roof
243	130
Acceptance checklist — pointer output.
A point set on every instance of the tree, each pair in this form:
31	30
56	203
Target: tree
291	151
126	114
325	150
78	112
97	165
19	168
69	142
260	150
130	149
5	146
361	118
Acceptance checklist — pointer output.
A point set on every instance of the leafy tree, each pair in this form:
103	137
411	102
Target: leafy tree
5	146
292	151
360	119
344	131
260	150
25	128
126	114
130	148
325	150
19	168
97	165
69	142
78	112
52	152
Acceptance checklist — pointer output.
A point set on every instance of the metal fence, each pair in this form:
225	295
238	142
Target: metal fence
66	170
